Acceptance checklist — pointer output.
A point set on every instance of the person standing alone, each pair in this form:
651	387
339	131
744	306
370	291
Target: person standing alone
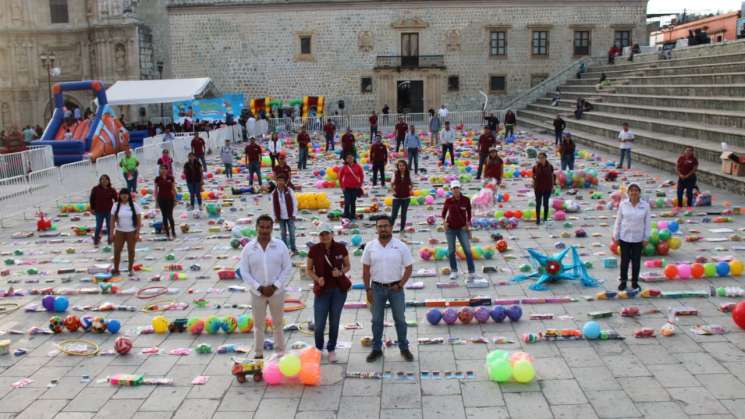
129	165
226	154
198	147
543	183
486	143
412	145
686	168
447	138
626	138
284	204
253	159
401	129
303	141
435	125
559	126
378	158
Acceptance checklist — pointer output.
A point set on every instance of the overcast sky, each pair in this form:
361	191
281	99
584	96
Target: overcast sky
664	6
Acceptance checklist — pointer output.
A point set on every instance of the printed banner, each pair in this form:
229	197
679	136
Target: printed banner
228	106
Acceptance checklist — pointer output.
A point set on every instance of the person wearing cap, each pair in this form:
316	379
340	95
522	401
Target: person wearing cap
347	144
486	143
378	158
284	205
351	177
226	154
631	232
274	148
494	166
265	267
282	168
456	214
447	138
402	188
327	265
303	141
543	184
566	151
412	145
386	267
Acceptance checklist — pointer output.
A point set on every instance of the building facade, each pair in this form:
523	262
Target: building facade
87	39
410	55
720	28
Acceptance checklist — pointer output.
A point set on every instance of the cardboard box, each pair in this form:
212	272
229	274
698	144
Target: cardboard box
730	163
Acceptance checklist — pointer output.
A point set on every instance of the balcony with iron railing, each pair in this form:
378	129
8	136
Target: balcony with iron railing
410	61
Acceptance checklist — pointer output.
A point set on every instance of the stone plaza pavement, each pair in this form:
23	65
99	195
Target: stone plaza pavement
685	375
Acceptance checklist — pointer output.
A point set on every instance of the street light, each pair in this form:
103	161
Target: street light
159	65
47	60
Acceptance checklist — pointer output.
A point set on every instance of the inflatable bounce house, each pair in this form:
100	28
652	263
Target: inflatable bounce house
303	105
93	137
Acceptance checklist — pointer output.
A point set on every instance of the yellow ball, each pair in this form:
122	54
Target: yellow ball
160	324
736	267
388	201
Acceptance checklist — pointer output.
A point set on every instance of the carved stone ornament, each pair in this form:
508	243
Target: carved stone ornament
410	23
365	41
452	40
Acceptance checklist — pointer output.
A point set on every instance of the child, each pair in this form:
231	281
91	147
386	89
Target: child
494	166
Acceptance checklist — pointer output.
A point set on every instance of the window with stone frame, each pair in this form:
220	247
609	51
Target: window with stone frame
453	83
305	45
581	43
536	79
497	83
58	11
539	43
366	85
622	39
497	43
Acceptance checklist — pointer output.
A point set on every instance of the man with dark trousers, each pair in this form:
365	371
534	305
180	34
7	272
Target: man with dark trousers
486	142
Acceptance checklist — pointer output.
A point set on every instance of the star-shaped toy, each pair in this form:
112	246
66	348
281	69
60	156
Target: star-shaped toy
551	268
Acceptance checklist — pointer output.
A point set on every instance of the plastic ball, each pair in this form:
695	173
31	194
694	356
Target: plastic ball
675	243
86	322
496	355
465	315
213	324
500	370
56	324
498	314
523	371
113	326
614	248
289	365
434	316
591	330
310	355
356	240
514	313
671	271
61	303
662	248
736	267
310	374
722	269
122	345
98	325
697	270
272	374
684	271
738	314
710	270
664	235
502	246
229	324
195	326
481	314
649	249
48	302
159	324
72	323
673	226
450	316
245	323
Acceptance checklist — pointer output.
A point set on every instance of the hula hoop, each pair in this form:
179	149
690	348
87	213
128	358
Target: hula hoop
161	290
302	328
94	348
297	305
4	311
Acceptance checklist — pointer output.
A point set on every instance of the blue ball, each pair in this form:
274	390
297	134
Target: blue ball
722	268
673	226
591	330
61	303
114	326
434	316
498	313
86	322
356	240
514	313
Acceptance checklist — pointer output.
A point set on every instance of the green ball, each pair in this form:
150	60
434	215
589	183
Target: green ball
235	243
525	268
213	325
170	256
710	270
500	370
649	250
665	235
654	237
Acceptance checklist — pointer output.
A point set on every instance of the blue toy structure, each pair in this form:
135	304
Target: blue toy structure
551	268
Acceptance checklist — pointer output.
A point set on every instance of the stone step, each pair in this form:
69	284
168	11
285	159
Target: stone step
706	117
705	59
686	79
708	68
721	48
712	102
709	172
604	126
703	90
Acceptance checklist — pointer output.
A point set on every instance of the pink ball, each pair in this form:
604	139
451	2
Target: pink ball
429	200
560	216
684	271
661	225
272	374
440	192
557	203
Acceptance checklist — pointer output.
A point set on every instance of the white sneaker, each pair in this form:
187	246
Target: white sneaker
453	276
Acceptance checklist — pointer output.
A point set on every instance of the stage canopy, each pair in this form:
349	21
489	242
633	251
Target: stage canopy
140	92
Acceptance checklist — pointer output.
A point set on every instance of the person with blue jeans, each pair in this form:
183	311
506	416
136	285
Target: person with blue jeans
303	142
626	137
386	267
327	265
566	151
102	200
129	165
456	215
253	158
412	145
284	204
193	175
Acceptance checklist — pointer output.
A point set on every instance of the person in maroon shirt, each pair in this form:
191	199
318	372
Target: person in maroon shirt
282	168
330	130
102	200
456	214
510	120
402	188
327	265
543	184
165	197
253	157
347	144
198	147
686	168
351	179
373	126
401	129
378	158
303	140
494	165
486	142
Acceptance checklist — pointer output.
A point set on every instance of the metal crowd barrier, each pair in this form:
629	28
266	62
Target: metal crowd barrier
23	162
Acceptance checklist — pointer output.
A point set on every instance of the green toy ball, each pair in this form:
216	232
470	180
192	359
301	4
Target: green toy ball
525	268
213	325
235	243
229	324
170	257
107	249
195	326
245	323
204	348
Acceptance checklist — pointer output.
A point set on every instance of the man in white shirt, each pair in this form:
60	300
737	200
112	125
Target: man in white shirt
284	204
443	112
262	127
447	138
265	267
251	126
626	137
386	266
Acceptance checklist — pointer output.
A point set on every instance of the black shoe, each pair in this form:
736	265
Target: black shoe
374	355
537	222
622	286
408	356
636	288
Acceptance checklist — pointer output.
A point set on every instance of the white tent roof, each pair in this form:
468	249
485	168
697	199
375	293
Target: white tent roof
136	92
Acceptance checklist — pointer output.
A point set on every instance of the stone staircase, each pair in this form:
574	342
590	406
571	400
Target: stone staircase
695	99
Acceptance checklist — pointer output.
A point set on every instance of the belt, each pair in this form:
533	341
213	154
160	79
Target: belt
380	284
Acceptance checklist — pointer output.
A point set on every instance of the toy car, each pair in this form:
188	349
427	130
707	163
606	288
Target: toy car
242	368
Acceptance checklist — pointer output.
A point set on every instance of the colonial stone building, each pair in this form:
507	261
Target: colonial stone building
88	39
411	55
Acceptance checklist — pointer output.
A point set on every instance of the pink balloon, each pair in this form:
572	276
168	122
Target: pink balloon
684	271
272	374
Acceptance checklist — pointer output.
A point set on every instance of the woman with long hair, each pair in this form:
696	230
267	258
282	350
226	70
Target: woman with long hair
102	200
631	232
351	177
127	218
402	188
165	194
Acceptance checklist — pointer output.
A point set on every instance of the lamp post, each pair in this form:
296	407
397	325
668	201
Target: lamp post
159	65
47	60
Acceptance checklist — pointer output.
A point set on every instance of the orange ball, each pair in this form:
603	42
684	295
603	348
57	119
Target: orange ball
697	270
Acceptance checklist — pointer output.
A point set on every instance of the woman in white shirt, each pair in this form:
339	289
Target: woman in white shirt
127	217
631	232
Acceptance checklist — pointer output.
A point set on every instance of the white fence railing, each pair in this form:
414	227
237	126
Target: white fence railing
23	162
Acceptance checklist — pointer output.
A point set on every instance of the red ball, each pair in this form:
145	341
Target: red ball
72	323
122	345
465	315
738	314
614	248
663	248
502	246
